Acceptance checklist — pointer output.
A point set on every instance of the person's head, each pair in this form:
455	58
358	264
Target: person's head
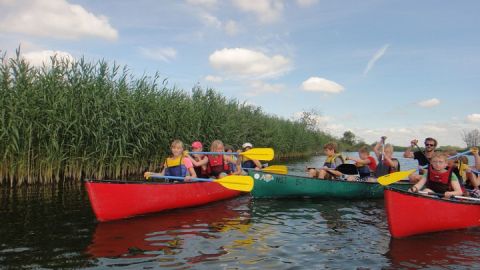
229	148
463	159
217	146
363	152
330	148
450	153
388	150
247	146
177	148
430	144
439	161
197	146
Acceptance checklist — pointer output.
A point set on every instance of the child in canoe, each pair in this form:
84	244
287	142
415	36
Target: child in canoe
233	161
199	161
332	161
439	178
177	164
386	162
249	163
366	164
217	165
470	180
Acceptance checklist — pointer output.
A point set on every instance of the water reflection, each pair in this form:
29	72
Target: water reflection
191	235
449	250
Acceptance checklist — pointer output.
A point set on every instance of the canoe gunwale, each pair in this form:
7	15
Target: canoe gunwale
430	197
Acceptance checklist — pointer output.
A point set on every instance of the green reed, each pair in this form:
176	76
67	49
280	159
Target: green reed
73	120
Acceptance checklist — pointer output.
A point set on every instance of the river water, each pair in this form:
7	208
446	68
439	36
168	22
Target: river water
54	228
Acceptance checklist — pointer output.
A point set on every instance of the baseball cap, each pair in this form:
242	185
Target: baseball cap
247	144
197	144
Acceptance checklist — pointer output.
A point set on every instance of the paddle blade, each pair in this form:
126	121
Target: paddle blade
277	169
266	154
236	182
394	177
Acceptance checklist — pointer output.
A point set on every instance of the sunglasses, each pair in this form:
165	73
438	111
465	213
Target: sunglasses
429	144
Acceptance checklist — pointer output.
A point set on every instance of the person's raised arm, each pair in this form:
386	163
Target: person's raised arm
376	149
408	152
203	161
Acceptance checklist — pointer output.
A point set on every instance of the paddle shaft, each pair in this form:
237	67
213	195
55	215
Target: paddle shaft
181	178
215	153
452	157
441	195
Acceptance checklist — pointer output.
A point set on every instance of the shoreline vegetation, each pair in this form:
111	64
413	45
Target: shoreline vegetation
74	120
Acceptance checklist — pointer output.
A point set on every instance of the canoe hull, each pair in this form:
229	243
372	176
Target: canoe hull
112	200
268	185
410	214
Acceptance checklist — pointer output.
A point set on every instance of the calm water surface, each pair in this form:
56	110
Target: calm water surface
55	228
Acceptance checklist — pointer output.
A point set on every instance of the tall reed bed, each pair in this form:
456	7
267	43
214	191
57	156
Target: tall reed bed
73	120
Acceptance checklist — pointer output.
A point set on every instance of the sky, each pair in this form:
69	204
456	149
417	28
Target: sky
404	69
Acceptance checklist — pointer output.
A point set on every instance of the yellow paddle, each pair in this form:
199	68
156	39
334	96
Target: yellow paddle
277	169
265	154
235	182
394	177
397	176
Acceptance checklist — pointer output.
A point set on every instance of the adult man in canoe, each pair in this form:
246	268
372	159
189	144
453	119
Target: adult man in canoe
423	157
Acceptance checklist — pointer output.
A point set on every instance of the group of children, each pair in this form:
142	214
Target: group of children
335	166
214	164
440	172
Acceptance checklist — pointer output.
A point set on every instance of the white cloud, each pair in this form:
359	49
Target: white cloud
214	79
306	3
211	20
161	54
379	54
56	19
429	103
231	28
259	87
240	63
38	58
203	3
316	84
267	11
474	118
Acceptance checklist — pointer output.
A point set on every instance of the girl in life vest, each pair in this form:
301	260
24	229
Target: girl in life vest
177	164
199	161
439	178
217	164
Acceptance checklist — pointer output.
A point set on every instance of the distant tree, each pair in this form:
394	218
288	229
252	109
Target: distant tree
471	138
310	120
348	138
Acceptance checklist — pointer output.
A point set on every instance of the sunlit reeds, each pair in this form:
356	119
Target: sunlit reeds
73	120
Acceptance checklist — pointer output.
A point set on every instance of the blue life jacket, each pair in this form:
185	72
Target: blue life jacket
175	167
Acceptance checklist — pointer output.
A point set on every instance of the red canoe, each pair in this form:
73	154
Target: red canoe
112	200
410	214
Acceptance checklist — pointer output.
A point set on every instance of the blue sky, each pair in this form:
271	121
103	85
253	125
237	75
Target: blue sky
404	69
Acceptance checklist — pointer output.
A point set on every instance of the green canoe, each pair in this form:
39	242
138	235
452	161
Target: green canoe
268	185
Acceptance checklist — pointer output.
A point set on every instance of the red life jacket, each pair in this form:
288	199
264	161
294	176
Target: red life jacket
217	165
439	182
